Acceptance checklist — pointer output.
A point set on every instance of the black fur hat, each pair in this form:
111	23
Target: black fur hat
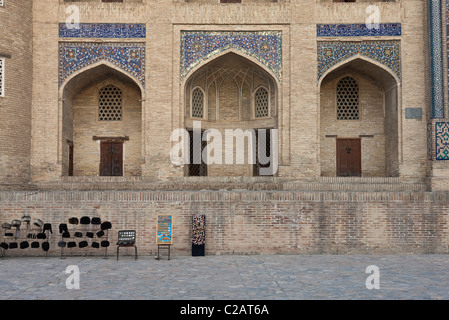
35	244
106	225
62	244
62	227
89	234
105	243
47	226
85	220
4	245
45	246
95	244
78	234
71	244
41	235
83	244
24	245
96	220
73	220
100	233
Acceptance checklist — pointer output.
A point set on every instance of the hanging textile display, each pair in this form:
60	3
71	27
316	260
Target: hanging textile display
198	234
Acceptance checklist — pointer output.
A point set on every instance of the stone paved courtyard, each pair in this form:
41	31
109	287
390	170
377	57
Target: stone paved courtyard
227	277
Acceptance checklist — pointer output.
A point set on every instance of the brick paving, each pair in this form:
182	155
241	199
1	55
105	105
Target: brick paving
226	277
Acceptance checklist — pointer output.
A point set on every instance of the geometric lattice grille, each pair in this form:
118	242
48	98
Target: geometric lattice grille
110	104
347	99
2	76
197	103
261	103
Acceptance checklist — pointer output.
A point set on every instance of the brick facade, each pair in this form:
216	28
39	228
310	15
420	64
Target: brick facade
156	53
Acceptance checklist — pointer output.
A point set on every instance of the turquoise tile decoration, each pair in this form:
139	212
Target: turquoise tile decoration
199	46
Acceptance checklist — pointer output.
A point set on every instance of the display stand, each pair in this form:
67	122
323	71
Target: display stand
198	235
163	246
164	234
26	237
86	235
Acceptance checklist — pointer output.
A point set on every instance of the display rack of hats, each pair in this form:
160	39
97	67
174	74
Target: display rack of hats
24	233
84	233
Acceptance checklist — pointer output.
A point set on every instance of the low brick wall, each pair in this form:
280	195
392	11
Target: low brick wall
246	222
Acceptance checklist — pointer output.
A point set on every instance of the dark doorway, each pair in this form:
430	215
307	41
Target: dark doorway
111	163
349	157
263	148
197	166
70	160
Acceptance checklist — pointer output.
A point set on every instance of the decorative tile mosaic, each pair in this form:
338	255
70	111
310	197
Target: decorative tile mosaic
436	62
103	30
128	56
358	30
385	52
198	46
442	140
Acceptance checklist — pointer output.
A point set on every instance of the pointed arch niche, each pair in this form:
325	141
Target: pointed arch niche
375	91
84	99
238	94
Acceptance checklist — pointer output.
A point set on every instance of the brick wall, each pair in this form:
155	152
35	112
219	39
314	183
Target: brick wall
250	222
16	46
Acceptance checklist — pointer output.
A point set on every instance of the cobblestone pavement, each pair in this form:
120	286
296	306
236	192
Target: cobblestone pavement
227	277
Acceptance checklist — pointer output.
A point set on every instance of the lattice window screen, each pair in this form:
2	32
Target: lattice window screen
197	103
110	104
261	103
347	99
2	77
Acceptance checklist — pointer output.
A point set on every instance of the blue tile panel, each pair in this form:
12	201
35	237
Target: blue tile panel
129	57
386	52
358	30
436	60
103	30
264	46
442	140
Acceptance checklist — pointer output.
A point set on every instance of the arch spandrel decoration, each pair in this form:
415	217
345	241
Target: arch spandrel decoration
129	57
386	52
264	46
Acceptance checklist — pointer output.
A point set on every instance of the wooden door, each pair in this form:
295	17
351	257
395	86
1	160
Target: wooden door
349	157
111	158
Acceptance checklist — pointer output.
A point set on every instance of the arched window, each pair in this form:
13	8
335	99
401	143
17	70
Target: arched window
197	103
347	99
261	103
110	104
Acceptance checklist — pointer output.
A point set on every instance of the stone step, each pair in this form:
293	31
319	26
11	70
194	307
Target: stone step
198	184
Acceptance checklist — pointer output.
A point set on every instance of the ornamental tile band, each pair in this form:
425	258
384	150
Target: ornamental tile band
386	52
264	46
102	30
442	140
358	30
129	57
